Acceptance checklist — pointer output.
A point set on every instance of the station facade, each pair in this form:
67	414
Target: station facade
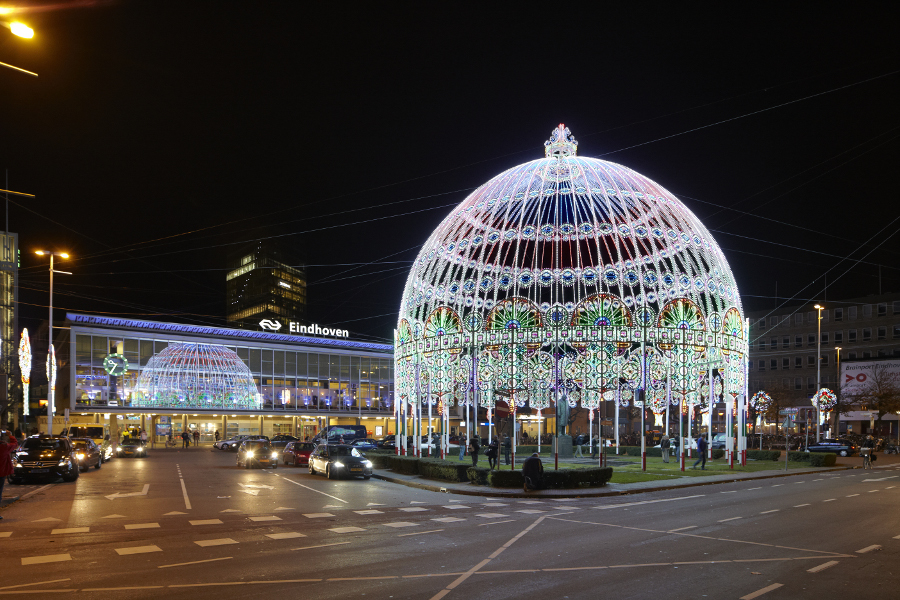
304	383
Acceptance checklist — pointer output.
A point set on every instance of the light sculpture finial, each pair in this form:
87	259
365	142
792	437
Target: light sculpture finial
561	143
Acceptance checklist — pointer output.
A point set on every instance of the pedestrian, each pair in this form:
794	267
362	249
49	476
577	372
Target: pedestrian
462	448
196	437
595	446
868	452
578	453
143	437
701	452
185	439
474	446
507	446
8	445
493	452
217	435
533	472
170	442
664	446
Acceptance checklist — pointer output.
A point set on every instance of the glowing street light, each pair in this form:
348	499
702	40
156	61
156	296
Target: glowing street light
51	395
21	30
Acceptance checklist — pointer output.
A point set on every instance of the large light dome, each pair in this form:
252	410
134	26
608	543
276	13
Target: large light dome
569	273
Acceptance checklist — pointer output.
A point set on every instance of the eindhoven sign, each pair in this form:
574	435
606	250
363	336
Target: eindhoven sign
312	329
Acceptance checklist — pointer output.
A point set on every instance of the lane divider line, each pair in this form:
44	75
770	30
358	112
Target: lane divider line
21	585
419	533
764	590
731	519
869	549
312	489
823	566
321	546
195	562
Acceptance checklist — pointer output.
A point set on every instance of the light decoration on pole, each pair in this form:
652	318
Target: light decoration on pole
568	277
25	367
760	402
824	400
51	368
193	375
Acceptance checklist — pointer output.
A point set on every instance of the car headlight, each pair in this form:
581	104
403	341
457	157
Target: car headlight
368	463
250	455
338	464
79	456
274	455
62	463
139	450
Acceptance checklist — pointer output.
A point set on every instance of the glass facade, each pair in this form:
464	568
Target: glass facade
302	376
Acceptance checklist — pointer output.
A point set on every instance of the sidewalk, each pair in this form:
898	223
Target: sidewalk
613	489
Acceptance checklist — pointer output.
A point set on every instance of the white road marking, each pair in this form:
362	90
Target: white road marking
218	542
799	482
830	500
399	524
496	522
32	493
778	485
375	504
413	509
648	502
113	517
417	502
494	504
823	566
320	546
283	508
799	505
890	488
187	501
448	519
317	515
71	530
491	516
49	558
5	534
142	526
870	491
250	492
318	492
730	492
897	537
765	512
206	522
369	512
273	518
531	512
195	562
869	549
419	532
229	510
284	536
731	519
137	550
130	494
255	486
818	480
174	512
529	502
851	495
764	590
751	489
455	506
46	519
346	529
21	585
882	479
332	506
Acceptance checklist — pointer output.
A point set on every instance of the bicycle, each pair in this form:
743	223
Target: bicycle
866	454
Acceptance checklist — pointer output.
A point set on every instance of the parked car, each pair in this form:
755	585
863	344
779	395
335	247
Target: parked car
232	444
339	460
719	441
840	447
87	453
297	453
347	432
45	456
257	453
365	444
281	440
131	447
389	444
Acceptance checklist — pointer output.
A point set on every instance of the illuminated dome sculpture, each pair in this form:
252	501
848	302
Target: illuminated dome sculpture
191	375
570	277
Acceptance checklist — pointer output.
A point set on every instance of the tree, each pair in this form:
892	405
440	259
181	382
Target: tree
880	393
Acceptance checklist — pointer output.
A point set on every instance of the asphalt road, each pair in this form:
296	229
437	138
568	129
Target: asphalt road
190	523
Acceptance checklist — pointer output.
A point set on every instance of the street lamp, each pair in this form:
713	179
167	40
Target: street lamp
21	30
837	391
51	393
819	370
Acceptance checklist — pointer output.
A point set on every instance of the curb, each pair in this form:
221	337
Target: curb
490	493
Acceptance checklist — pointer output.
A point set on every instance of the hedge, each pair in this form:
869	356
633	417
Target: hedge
479	475
763	454
815	459
563	479
717	453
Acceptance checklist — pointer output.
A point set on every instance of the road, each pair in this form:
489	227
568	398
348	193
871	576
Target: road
190	521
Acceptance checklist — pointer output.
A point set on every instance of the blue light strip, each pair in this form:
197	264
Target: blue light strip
79	319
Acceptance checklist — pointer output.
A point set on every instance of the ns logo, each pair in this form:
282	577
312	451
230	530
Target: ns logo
270	325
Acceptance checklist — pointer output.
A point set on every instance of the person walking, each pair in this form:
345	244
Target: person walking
664	446
196	437
533	472
8	445
474	446
595	446
701	451
578	453
217	435
507	447
185	439
143	437
492	453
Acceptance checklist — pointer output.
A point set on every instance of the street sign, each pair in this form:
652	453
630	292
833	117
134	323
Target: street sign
788	422
789	411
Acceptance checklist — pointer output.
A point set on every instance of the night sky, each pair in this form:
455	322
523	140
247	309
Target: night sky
161	134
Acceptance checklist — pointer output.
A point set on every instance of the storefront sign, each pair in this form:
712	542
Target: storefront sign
862	377
294	327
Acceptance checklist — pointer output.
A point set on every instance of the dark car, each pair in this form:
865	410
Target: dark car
364	444
297	453
719	441
388	443
339	460
87	453
46	456
257	453
232	444
131	447
840	447
281	440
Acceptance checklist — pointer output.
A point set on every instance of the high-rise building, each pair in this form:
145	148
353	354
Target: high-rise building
10	381
264	282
